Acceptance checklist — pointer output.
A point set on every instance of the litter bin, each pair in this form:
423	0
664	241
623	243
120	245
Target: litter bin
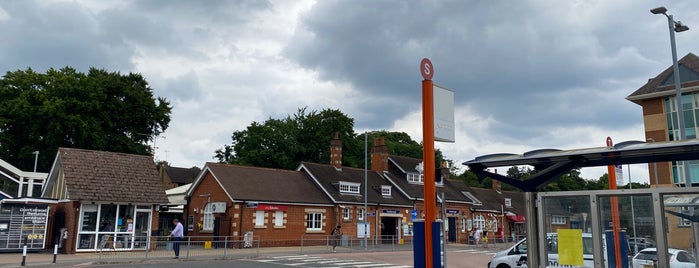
207	244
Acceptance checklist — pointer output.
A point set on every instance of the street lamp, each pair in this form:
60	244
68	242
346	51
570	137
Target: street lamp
366	219
676	26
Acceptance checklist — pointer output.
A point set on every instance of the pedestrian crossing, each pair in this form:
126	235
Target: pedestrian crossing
325	262
475	251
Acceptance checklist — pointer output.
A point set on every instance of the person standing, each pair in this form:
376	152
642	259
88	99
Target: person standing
177	234
336	235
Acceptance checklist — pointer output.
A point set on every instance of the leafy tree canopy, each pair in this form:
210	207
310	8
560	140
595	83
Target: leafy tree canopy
65	108
306	136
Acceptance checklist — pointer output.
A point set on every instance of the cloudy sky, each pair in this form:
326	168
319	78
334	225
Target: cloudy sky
526	74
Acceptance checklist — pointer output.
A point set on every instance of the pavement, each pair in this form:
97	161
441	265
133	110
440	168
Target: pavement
48	259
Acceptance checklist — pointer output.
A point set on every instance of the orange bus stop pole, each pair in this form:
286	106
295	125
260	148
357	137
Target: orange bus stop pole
429	166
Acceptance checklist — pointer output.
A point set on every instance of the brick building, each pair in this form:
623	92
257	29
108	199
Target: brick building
104	196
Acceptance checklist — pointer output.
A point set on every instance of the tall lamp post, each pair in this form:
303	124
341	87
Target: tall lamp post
676	26
366	219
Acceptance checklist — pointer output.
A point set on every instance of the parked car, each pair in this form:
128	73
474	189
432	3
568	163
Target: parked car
678	258
641	243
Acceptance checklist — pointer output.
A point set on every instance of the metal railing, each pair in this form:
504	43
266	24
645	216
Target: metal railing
190	247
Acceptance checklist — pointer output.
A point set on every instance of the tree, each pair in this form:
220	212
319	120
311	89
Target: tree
65	108
306	136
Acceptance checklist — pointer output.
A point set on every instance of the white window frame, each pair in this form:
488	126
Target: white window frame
415	178
314	221
279	218
349	187
208	218
479	221
360	214
259	218
559	220
385	190
346	213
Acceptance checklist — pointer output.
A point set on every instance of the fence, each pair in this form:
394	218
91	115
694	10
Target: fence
248	246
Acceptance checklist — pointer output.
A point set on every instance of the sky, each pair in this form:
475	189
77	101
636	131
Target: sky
525	74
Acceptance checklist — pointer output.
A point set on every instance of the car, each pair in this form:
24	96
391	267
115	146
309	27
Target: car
649	256
641	243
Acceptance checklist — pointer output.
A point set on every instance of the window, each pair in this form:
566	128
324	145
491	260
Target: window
690	110
278	218
190	223
349	187
259	218
346	213
479	222
360	214
508	202
208	222
415	178
682	221
385	190
558	220
314	221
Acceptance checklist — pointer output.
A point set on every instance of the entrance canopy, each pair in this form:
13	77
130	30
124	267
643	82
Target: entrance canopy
549	164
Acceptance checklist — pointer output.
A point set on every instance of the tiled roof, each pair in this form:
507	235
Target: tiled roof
399	164
182	175
663	83
110	177
266	184
329	178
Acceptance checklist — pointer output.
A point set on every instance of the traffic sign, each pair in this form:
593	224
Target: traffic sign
426	69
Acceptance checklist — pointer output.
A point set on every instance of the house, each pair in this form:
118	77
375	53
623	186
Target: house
657	98
104	196
277	206
172	177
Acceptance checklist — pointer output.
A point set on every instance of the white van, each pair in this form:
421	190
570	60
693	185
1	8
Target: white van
516	256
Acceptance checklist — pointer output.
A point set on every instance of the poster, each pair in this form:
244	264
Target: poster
570	247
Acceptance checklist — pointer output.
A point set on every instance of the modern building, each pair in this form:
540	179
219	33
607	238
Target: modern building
657	98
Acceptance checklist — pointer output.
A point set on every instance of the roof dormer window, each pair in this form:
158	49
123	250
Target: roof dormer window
508	202
349	187
386	190
415	178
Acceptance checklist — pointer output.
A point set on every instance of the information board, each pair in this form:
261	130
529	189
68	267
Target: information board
20	223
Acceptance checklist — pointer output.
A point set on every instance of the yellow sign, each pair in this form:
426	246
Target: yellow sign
570	247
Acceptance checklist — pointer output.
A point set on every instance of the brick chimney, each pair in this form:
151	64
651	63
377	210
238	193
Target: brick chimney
444	169
336	151
379	155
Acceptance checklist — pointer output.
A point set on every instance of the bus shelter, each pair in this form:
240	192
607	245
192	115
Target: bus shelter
574	228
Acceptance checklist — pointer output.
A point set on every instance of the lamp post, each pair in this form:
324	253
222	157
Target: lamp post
366	219
633	214
676	26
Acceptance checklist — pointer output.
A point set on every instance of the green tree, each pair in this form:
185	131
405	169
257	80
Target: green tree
65	108
306	136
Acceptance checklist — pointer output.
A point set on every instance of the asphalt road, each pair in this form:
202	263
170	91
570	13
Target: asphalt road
466	258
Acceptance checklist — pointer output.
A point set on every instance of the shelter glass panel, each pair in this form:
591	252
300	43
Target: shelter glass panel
567	227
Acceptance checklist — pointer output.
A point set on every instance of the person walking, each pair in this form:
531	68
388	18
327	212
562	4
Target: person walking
335	236
177	234
477	236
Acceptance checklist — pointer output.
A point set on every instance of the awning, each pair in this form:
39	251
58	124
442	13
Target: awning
516	218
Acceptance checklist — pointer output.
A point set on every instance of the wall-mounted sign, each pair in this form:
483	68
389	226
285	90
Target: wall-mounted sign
452	211
390	211
272	207
218	207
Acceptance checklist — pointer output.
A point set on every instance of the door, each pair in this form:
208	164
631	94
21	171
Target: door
141	229
388	229
452	229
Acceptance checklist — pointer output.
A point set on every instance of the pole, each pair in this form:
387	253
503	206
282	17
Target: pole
55	252
678	96
429	169
444	233
633	214
611	172
366	219
36	159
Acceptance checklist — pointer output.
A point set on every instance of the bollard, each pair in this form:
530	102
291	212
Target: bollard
24	254
55	252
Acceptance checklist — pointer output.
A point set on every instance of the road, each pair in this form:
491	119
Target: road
465	258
